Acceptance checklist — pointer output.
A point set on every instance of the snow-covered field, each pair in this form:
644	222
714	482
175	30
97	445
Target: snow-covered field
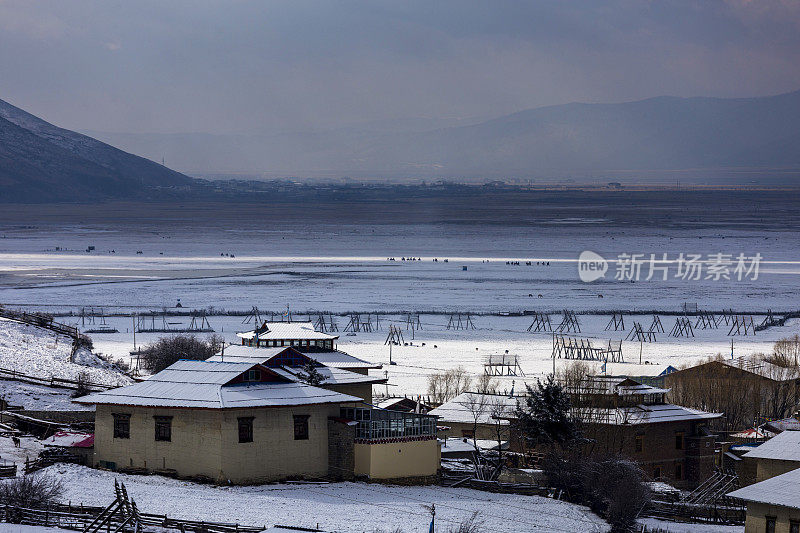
341	507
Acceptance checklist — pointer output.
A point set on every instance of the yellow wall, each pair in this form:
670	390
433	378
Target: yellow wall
362	390
393	460
205	442
768	468
757	513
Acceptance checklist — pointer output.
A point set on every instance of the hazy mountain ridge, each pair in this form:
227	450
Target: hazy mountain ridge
657	133
42	162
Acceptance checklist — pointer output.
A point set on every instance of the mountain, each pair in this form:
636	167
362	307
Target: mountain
664	133
40	162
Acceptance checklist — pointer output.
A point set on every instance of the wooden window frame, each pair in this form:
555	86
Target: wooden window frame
122	425
678	471
638	444
770	519
245	427
304	430
162	422
680	441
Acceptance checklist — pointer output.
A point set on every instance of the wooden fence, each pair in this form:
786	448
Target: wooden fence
77	518
52	381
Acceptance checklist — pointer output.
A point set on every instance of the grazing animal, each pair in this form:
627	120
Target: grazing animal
16	442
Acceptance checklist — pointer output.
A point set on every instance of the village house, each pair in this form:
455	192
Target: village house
619	416
280	334
762	390
339	371
773	505
242	422
778	455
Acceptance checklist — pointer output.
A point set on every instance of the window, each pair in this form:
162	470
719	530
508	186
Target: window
246	429
253	375
163	428
678	471
300	427
639	443
657	473
770	524
679	440
122	426
794	526
468	433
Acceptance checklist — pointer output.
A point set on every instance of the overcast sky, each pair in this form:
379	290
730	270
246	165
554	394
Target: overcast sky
239	66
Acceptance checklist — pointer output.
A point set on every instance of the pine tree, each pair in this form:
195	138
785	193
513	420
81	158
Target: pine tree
544	418
310	375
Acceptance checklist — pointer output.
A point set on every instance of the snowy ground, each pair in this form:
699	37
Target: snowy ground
39	352
678	527
29	448
17	528
341	507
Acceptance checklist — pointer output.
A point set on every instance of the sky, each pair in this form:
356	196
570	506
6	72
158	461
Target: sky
262	66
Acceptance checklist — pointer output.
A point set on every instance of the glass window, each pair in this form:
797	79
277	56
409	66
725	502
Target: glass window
794	527
253	375
246	429
639	443
770	524
679	440
163	428
678	471
122	426
300	427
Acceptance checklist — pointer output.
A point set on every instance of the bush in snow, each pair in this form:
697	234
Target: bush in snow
168	350
32	491
613	487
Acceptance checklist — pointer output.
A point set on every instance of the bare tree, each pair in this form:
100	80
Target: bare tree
446	385
478	408
485	384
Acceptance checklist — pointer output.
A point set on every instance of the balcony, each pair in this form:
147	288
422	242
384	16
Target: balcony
380	425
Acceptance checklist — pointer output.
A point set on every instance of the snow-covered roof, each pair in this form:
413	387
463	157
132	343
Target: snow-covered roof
70	439
331	358
462	408
784	446
331	376
620	385
778	490
214	385
287	330
754	433
649	414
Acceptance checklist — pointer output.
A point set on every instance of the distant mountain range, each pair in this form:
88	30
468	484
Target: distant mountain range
664	133
40	162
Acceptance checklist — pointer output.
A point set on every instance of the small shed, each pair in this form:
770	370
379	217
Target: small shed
73	443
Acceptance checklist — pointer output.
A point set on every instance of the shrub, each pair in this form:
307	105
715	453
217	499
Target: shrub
32	491
166	351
